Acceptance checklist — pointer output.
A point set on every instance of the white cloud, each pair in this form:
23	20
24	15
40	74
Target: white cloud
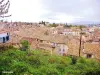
80	10
26	10
62	17
58	11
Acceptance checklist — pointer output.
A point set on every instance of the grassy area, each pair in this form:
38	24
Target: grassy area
41	63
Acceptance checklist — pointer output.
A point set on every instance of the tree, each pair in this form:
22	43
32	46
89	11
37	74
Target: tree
70	25
53	25
66	26
42	22
4	7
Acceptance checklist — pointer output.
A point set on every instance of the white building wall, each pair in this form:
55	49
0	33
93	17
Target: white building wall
61	49
1	39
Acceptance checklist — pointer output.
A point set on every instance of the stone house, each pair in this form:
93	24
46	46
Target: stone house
71	32
53	44
91	50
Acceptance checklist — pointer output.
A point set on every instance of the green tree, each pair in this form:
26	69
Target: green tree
66	26
53	25
42	22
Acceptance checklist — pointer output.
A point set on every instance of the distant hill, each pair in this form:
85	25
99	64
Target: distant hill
86	22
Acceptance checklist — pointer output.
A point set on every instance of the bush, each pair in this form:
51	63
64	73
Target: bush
20	68
25	45
81	60
38	64
60	68
74	60
51	60
53	25
51	71
34	60
92	72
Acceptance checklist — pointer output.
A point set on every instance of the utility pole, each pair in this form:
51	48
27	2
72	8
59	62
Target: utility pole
80	45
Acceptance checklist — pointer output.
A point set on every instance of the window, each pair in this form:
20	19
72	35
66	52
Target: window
59	49
89	55
7	38
3	39
41	41
37	40
54	44
63	50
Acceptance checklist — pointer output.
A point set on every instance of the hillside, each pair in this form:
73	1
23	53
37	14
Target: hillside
16	62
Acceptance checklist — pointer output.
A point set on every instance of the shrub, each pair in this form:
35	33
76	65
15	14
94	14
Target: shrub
34	60
25	45
81	60
53	25
74	60
51	60
92	72
51	71
20	68
38	64
60	68
65	60
5	63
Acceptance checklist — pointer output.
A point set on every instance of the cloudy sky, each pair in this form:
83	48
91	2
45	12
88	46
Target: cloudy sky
69	11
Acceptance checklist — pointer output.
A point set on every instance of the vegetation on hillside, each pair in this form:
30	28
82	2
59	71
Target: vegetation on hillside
41	63
74	26
53	25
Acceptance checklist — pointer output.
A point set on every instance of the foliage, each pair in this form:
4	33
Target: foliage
74	60
25	45
40	64
43	22
53	25
74	26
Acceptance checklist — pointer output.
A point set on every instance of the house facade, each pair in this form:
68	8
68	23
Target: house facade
61	49
53	45
91	50
74	33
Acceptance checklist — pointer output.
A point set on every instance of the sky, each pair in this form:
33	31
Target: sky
70	11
